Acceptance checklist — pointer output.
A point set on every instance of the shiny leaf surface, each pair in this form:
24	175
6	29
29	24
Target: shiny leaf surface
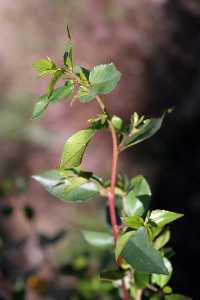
140	254
75	147
66	186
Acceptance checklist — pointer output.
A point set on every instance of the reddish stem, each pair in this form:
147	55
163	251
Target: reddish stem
111	198
111	194
125	291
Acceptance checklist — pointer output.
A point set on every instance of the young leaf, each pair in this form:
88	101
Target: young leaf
40	106
99	122
146	130
98	239
138	198
45	66
163	217
65	186
140	254
133	222
56	76
162	240
86	94
104	78
61	92
75	147
58	94
68	55
162	280
82	73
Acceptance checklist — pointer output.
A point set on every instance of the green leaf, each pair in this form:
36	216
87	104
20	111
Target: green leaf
140	254
86	94
40	106
75	147
58	94
141	280
68	54
140	186
99	122
156	296
82	73
146	129
104	78
66	186
177	297
111	275
56	76
137	200
163	217
162	240
98	239
133	222
121	242
61	92
45	66
162	280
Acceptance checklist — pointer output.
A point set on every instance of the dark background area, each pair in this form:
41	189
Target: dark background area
156	46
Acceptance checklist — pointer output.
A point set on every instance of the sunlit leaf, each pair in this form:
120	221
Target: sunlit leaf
75	147
133	222
45	66
66	186
104	78
164	217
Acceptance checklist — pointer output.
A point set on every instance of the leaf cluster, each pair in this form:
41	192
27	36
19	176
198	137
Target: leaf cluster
142	255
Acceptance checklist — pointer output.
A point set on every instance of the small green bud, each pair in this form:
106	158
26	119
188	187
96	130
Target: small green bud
117	122
167	289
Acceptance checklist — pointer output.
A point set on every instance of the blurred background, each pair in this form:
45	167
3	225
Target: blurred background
156	46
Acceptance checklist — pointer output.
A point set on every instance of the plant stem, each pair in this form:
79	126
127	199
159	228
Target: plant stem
138	295
111	194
